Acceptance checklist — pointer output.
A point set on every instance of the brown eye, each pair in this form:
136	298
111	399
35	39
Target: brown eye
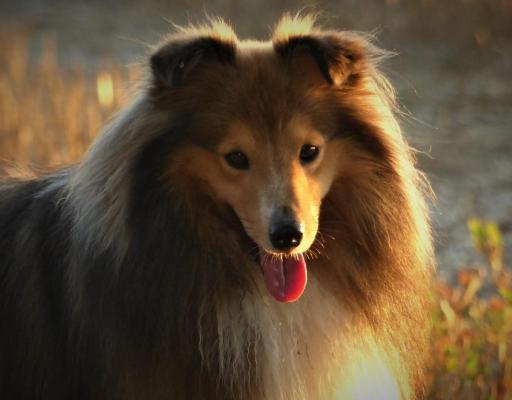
237	160
308	153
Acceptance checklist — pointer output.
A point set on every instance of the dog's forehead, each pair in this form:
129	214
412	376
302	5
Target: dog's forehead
258	63
295	129
258	90
261	91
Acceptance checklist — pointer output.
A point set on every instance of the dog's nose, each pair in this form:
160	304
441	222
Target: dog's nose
285	236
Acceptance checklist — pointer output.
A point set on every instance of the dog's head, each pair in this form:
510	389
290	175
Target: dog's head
268	127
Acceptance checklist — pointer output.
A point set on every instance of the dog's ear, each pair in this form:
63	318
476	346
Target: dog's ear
338	56
178	58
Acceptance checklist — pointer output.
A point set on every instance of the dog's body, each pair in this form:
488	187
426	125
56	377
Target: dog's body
135	274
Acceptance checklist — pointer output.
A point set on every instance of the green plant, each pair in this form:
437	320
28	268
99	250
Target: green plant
472	333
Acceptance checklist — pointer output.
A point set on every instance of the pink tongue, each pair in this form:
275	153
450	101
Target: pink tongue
285	279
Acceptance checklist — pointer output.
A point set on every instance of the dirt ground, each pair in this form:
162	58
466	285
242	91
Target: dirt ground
453	73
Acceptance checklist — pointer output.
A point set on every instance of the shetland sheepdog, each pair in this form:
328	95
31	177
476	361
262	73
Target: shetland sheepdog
252	226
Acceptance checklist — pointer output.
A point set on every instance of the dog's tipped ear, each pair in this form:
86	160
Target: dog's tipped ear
177	59
339	56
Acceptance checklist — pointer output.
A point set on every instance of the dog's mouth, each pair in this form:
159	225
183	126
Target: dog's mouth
285	276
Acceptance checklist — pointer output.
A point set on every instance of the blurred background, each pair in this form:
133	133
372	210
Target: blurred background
66	66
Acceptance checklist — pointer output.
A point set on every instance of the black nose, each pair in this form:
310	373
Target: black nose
285	236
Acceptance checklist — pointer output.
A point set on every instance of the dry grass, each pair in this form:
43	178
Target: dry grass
49	115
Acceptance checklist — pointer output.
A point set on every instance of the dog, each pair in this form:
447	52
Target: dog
251	226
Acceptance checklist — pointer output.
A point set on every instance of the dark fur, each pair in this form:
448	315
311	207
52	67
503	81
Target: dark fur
106	332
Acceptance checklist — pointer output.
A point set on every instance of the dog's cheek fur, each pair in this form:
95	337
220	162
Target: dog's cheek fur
194	246
201	179
383	255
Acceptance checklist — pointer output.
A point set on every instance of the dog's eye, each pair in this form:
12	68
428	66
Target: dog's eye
237	160
308	153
